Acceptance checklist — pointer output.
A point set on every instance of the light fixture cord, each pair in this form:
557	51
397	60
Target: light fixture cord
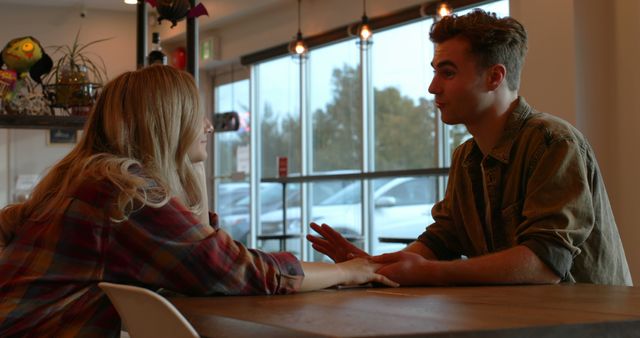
299	31
233	85
364	7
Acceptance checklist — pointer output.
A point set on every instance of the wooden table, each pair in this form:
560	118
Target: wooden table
504	311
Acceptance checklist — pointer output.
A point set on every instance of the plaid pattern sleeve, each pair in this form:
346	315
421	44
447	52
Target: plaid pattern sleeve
50	270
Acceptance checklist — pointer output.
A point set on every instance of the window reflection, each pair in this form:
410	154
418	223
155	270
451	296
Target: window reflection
233	96
335	107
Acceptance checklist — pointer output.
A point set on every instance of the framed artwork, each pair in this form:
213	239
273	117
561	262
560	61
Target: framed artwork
60	136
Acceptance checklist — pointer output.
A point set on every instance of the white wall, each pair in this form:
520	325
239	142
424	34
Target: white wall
28	152
548	77
583	66
623	107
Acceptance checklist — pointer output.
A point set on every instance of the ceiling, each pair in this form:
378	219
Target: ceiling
220	11
116	5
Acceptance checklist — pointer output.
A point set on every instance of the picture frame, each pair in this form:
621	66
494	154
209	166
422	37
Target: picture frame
62	136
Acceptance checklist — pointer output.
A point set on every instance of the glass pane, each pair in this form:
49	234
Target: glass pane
500	7
402	210
272	215
335	105
231	151
405	117
278	106
338	204
272	212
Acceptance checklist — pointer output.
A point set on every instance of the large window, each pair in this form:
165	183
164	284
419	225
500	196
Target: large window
335	106
344	112
405	117
278	109
277	100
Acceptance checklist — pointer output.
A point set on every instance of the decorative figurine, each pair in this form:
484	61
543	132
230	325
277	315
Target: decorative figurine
177	10
25	55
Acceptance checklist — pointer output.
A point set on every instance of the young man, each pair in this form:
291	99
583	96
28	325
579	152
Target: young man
525	201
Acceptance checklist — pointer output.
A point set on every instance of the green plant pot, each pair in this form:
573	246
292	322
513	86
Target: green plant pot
73	88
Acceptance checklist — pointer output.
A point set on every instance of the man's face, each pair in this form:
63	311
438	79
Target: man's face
457	84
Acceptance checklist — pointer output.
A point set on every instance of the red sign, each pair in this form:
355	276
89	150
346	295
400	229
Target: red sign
283	165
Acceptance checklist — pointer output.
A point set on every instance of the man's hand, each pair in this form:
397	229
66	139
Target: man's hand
333	244
407	268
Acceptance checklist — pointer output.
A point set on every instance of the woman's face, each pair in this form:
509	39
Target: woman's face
198	150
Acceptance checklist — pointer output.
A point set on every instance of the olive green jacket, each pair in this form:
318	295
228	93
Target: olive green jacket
540	187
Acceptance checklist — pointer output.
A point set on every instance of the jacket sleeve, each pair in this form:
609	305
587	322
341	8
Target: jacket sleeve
557	210
441	236
167	248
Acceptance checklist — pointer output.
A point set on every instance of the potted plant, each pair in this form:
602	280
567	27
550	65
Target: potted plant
75	76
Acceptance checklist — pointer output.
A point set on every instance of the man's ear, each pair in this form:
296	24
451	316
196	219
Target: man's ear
496	75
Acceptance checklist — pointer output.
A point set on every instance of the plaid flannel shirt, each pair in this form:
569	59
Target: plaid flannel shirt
50	270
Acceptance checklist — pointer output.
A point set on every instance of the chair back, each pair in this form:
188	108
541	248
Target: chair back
146	314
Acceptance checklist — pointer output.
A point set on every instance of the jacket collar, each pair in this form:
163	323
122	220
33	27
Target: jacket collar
502	150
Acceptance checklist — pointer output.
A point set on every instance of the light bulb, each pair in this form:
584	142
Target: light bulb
444	10
300	48
365	32
131	2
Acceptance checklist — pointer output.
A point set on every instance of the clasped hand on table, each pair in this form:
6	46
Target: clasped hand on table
400	266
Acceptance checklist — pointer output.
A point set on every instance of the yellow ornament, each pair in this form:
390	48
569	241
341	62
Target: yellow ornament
25	55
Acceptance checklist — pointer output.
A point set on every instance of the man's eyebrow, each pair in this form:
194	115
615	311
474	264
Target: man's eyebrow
444	63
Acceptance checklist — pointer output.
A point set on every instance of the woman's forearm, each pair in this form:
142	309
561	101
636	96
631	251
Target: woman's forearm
318	275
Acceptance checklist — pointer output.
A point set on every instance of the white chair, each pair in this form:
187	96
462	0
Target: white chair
146	314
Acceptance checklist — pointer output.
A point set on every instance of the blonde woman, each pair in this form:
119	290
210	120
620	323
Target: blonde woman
124	206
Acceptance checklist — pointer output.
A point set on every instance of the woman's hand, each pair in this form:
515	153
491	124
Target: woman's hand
360	271
333	244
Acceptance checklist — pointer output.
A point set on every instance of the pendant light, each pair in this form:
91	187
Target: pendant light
298	46
437	11
443	10
364	30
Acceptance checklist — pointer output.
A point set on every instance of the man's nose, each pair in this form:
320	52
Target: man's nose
433	87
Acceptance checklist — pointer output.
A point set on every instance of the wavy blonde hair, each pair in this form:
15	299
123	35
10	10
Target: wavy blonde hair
147	118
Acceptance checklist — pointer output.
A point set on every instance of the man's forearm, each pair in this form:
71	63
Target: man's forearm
517	265
420	249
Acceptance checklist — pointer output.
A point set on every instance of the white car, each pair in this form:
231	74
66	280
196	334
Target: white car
401	209
234	213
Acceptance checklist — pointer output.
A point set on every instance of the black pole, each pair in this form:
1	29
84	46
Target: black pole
141	53
192	46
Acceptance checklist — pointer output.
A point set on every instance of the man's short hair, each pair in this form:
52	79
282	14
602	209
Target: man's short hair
493	40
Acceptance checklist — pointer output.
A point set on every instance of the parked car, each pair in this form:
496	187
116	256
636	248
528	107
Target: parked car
234	214
401	209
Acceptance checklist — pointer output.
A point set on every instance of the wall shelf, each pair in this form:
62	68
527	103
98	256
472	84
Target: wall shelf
41	121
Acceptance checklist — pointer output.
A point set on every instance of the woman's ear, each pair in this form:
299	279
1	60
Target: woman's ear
496	75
